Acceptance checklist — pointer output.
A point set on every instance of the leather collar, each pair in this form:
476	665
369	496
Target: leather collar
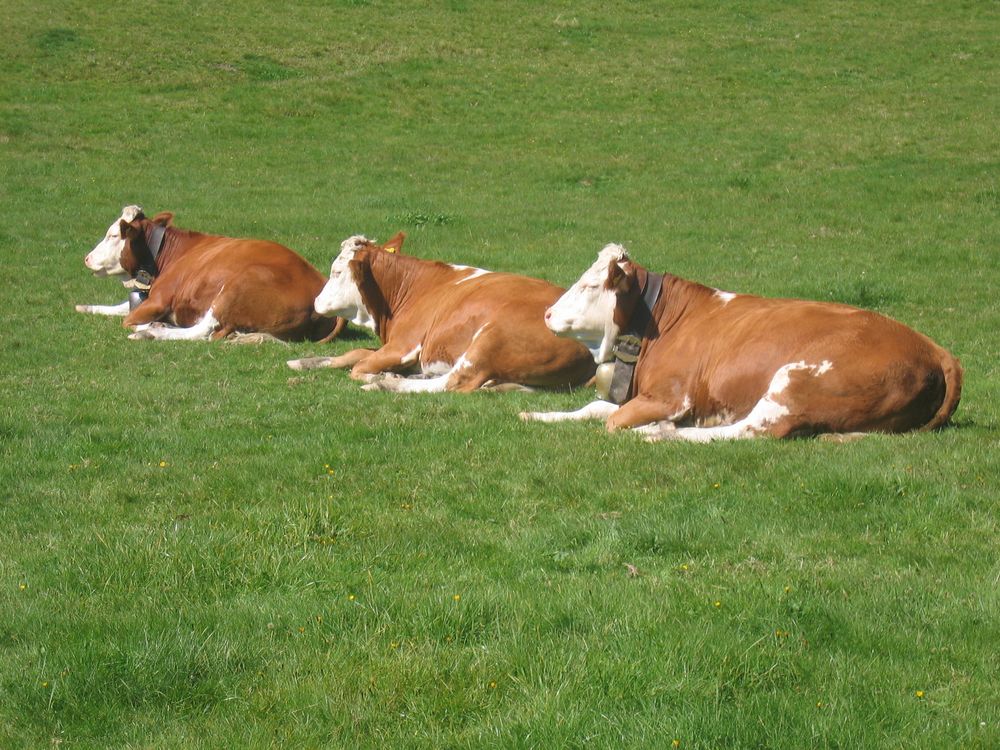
147	265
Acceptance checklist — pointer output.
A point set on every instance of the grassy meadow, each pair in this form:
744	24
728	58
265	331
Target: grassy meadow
202	548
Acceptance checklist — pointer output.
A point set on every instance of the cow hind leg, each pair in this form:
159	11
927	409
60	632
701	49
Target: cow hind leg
200	331
462	377
778	413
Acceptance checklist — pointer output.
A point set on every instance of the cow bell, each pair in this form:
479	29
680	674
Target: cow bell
602	379
135	298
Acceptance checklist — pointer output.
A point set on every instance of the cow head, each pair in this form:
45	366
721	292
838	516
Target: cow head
587	310
341	296
105	258
111	256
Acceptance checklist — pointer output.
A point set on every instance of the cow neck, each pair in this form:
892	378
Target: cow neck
390	274
628	343
676	297
679	296
399	280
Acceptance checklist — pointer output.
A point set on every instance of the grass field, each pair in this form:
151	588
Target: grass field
202	548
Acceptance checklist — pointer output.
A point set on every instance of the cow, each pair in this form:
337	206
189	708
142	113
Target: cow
698	364
208	286
460	327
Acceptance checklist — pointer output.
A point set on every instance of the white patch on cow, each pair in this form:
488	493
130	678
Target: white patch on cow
106	257
476	272
340	296
411	356
477	333
586	310
593	410
435	368
724	297
200	331
765	412
685	408
117	310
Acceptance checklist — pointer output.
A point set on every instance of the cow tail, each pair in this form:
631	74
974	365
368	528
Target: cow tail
322	322
952	370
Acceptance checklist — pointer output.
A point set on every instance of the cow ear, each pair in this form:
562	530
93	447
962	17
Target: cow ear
621	275
395	244
127	229
164	218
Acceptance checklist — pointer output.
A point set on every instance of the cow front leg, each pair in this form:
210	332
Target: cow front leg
114	310
348	359
149	311
386	359
643	410
593	410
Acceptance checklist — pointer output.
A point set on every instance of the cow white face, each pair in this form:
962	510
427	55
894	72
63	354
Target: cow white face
586	311
341	296
105	258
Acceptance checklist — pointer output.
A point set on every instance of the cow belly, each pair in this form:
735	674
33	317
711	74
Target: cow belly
259	299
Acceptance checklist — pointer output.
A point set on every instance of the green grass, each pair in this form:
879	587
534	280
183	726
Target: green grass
202	548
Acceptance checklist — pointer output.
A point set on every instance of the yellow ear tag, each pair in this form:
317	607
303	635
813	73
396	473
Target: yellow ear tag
390	249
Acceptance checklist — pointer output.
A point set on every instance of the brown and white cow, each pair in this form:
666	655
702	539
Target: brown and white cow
460	327
206	285
711	365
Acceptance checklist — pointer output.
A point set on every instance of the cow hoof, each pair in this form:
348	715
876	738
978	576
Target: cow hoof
143	335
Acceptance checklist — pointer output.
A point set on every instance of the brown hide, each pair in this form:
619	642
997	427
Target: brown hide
440	309
721	357
250	285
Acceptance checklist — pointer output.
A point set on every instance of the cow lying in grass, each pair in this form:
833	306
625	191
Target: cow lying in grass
464	327
694	363
208	286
